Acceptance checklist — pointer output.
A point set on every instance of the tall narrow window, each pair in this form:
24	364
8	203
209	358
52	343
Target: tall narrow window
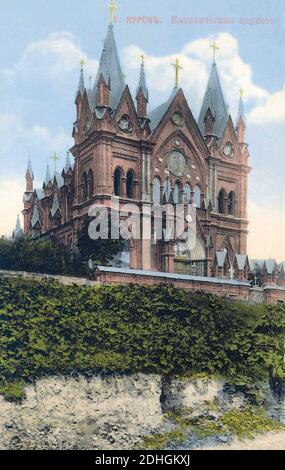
90	183
156	190
118	182
231	203
197	196
130	184
187	193
84	187
167	190
177	192
221	201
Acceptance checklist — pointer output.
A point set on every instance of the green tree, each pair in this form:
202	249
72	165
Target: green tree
99	251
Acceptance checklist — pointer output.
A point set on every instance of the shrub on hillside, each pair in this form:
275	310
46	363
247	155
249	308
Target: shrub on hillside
47	328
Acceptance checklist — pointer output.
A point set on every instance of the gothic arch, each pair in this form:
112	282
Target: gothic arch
222	201
118	181
156	184
130	184
84	186
90	183
232	203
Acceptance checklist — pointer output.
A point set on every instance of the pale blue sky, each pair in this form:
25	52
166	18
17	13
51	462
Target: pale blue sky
37	90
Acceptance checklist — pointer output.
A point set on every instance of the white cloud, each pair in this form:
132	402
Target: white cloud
52	58
14	134
273	111
195	58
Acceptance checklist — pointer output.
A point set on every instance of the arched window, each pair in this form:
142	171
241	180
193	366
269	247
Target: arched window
130	184
221	201
84	186
177	192
90	183
231	203
187	193
197	196
156	190
118	182
167	190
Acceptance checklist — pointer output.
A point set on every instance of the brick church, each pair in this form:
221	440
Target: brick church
123	149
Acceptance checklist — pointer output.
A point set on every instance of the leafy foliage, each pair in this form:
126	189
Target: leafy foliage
100	251
48	328
41	256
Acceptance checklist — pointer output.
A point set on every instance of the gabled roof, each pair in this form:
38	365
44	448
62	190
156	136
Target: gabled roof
55	206
158	113
270	265
39	192
221	257
110	69
58	179
36	217
214	100
241	261
68	165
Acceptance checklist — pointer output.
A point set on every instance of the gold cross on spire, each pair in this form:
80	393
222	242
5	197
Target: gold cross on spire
215	48
142	56
113	7
82	63
241	92
55	158
177	67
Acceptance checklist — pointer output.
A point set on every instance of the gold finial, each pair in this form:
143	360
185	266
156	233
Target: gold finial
241	92
142	56
82	63
55	158
113	7
215	48
177	67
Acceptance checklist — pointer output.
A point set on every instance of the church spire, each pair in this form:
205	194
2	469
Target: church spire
29	171
81	87
17	232
67	162
48	177
241	120
241	113
109	72
142	92
29	177
214	100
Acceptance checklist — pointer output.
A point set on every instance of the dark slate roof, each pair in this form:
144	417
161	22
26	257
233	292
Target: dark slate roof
158	113
59	180
164	275
110	69
39	193
142	83
270	265
36	216
241	261
55	205
221	257
214	100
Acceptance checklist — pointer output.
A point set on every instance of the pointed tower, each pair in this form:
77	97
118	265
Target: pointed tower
48	178
29	178
81	87
213	101
241	121
17	232
109	83
142	93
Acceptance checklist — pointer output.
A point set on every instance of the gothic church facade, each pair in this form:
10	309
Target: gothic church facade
161	156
